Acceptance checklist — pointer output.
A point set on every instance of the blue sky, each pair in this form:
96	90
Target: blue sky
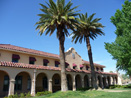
18	17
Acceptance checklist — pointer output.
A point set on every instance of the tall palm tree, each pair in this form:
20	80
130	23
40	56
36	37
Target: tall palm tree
86	29
60	17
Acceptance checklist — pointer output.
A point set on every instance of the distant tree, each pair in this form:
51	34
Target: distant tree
125	76
60	17
88	28
111	71
120	49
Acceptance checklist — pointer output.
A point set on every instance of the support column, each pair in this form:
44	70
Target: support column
106	82
90	82
33	84
11	87
74	83
50	85
82	82
102	85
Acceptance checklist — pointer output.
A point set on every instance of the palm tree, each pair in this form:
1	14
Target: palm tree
58	17
86	29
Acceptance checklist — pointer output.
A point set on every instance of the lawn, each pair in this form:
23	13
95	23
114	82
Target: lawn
90	94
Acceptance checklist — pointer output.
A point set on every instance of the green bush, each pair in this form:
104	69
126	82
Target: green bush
43	93
119	86
22	95
5	97
27	95
84	89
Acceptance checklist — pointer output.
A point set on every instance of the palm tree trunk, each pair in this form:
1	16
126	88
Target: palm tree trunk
62	61
93	74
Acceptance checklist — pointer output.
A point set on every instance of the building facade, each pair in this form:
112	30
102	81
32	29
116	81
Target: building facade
25	70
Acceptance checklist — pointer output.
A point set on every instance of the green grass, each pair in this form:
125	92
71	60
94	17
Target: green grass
88	94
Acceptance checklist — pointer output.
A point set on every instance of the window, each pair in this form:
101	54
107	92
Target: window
87	67
6	83
73	55
18	83
15	58
102	69
74	67
81	67
66	65
57	64
32	60
29	83
45	62
97	69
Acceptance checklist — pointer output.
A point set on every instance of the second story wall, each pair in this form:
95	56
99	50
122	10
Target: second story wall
6	55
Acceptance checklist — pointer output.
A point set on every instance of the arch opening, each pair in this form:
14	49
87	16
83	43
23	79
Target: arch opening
78	81
4	82
69	82
22	83
41	82
86	81
56	83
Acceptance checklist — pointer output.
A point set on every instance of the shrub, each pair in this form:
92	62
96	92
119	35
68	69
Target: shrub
5	97
43	93
28	95
22	95
84	89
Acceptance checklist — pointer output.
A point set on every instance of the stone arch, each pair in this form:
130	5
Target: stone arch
22	82
99	81
4	82
56	82
109	80
41	82
69	82
78	81
104	81
86	81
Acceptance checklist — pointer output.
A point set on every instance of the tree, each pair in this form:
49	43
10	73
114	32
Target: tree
120	49
111	72
87	28
60	17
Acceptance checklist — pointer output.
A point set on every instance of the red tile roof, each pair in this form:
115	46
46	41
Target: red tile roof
86	62
29	66
21	49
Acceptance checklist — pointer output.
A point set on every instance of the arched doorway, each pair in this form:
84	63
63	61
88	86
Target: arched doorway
109	80
22	83
69	82
78	81
86	81
99	82
4	83
41	82
56	82
104	82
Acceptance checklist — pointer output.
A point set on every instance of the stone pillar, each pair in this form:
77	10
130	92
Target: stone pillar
106	82
50	85
90	81
82	83
74	83
102	85
33	84
11	87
